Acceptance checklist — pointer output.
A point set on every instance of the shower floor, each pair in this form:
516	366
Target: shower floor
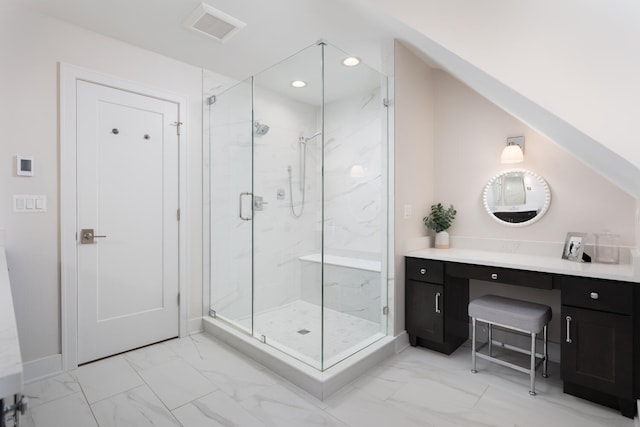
296	329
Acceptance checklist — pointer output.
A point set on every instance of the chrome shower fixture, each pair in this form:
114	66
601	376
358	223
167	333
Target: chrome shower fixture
304	140
302	149
260	129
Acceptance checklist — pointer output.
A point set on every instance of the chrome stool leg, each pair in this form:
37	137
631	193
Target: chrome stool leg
546	355
532	390
490	339
473	346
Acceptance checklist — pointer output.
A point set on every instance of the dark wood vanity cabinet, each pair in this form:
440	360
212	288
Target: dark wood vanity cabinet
600	322
597	341
424	312
433	314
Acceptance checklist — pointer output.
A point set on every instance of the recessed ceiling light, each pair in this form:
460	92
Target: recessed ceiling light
298	83
351	61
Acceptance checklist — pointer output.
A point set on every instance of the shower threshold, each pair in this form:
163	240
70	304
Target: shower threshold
320	384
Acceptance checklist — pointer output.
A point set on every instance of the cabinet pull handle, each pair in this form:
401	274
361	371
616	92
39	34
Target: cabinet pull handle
423	271
594	295
438	302
568	318
494	276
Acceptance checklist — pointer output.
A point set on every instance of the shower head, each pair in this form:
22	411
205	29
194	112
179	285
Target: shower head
260	129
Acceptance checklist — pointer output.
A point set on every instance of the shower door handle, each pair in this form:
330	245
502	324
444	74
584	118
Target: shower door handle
240	206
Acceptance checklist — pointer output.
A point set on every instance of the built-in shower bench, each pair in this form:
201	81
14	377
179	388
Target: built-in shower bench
343	261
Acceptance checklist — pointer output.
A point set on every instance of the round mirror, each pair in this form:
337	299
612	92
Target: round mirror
516	197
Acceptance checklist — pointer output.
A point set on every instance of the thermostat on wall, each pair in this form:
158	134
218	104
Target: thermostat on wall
24	165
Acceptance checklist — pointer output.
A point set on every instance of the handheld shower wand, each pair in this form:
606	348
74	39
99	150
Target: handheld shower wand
302	147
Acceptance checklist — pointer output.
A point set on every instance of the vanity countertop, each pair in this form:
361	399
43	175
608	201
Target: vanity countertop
10	359
622	272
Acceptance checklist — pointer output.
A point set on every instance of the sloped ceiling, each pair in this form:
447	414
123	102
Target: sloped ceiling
569	69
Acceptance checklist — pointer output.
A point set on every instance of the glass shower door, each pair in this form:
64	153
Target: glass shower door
287	224
231	128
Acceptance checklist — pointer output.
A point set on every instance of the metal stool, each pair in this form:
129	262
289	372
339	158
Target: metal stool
522	316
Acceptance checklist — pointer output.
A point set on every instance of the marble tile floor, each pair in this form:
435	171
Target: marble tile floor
196	381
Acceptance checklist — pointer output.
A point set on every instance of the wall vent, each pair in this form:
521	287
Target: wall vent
213	23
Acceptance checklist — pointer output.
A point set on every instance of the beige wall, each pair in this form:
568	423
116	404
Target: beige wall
414	154
448	145
470	133
31	46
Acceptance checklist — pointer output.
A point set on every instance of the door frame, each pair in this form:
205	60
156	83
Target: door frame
68	76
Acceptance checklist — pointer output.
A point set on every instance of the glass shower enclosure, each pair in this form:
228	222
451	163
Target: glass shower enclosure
298	206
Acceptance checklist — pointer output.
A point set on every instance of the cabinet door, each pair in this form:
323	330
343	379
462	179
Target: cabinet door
597	350
424	311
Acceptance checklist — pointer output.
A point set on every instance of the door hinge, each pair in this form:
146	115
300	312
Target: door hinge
385	310
178	214
178	298
177	125
385	102
211	100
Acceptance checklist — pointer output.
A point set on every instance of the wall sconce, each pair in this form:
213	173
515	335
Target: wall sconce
514	151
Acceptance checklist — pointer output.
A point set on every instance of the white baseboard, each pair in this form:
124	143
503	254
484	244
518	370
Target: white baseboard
401	341
195	326
35	370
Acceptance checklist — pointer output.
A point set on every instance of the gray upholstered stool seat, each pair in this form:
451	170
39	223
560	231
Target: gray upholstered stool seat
513	314
516	314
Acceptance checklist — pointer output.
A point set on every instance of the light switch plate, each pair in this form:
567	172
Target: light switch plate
408	211
28	203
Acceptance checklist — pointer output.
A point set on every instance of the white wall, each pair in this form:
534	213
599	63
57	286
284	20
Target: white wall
31	46
414	159
577	59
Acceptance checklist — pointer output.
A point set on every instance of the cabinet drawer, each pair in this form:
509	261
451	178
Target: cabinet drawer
425	270
532	279
597	294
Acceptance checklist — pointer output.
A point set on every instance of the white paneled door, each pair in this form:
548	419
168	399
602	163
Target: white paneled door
127	219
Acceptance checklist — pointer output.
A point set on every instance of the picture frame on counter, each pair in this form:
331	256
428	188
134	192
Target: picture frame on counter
574	246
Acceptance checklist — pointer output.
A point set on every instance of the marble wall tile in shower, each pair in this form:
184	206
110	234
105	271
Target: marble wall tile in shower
354	197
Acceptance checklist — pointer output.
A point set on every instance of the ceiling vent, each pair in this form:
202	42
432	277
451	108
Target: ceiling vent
213	23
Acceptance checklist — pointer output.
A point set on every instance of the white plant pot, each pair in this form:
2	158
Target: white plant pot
442	240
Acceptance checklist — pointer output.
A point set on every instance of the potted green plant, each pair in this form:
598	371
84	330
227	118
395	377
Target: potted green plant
439	220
